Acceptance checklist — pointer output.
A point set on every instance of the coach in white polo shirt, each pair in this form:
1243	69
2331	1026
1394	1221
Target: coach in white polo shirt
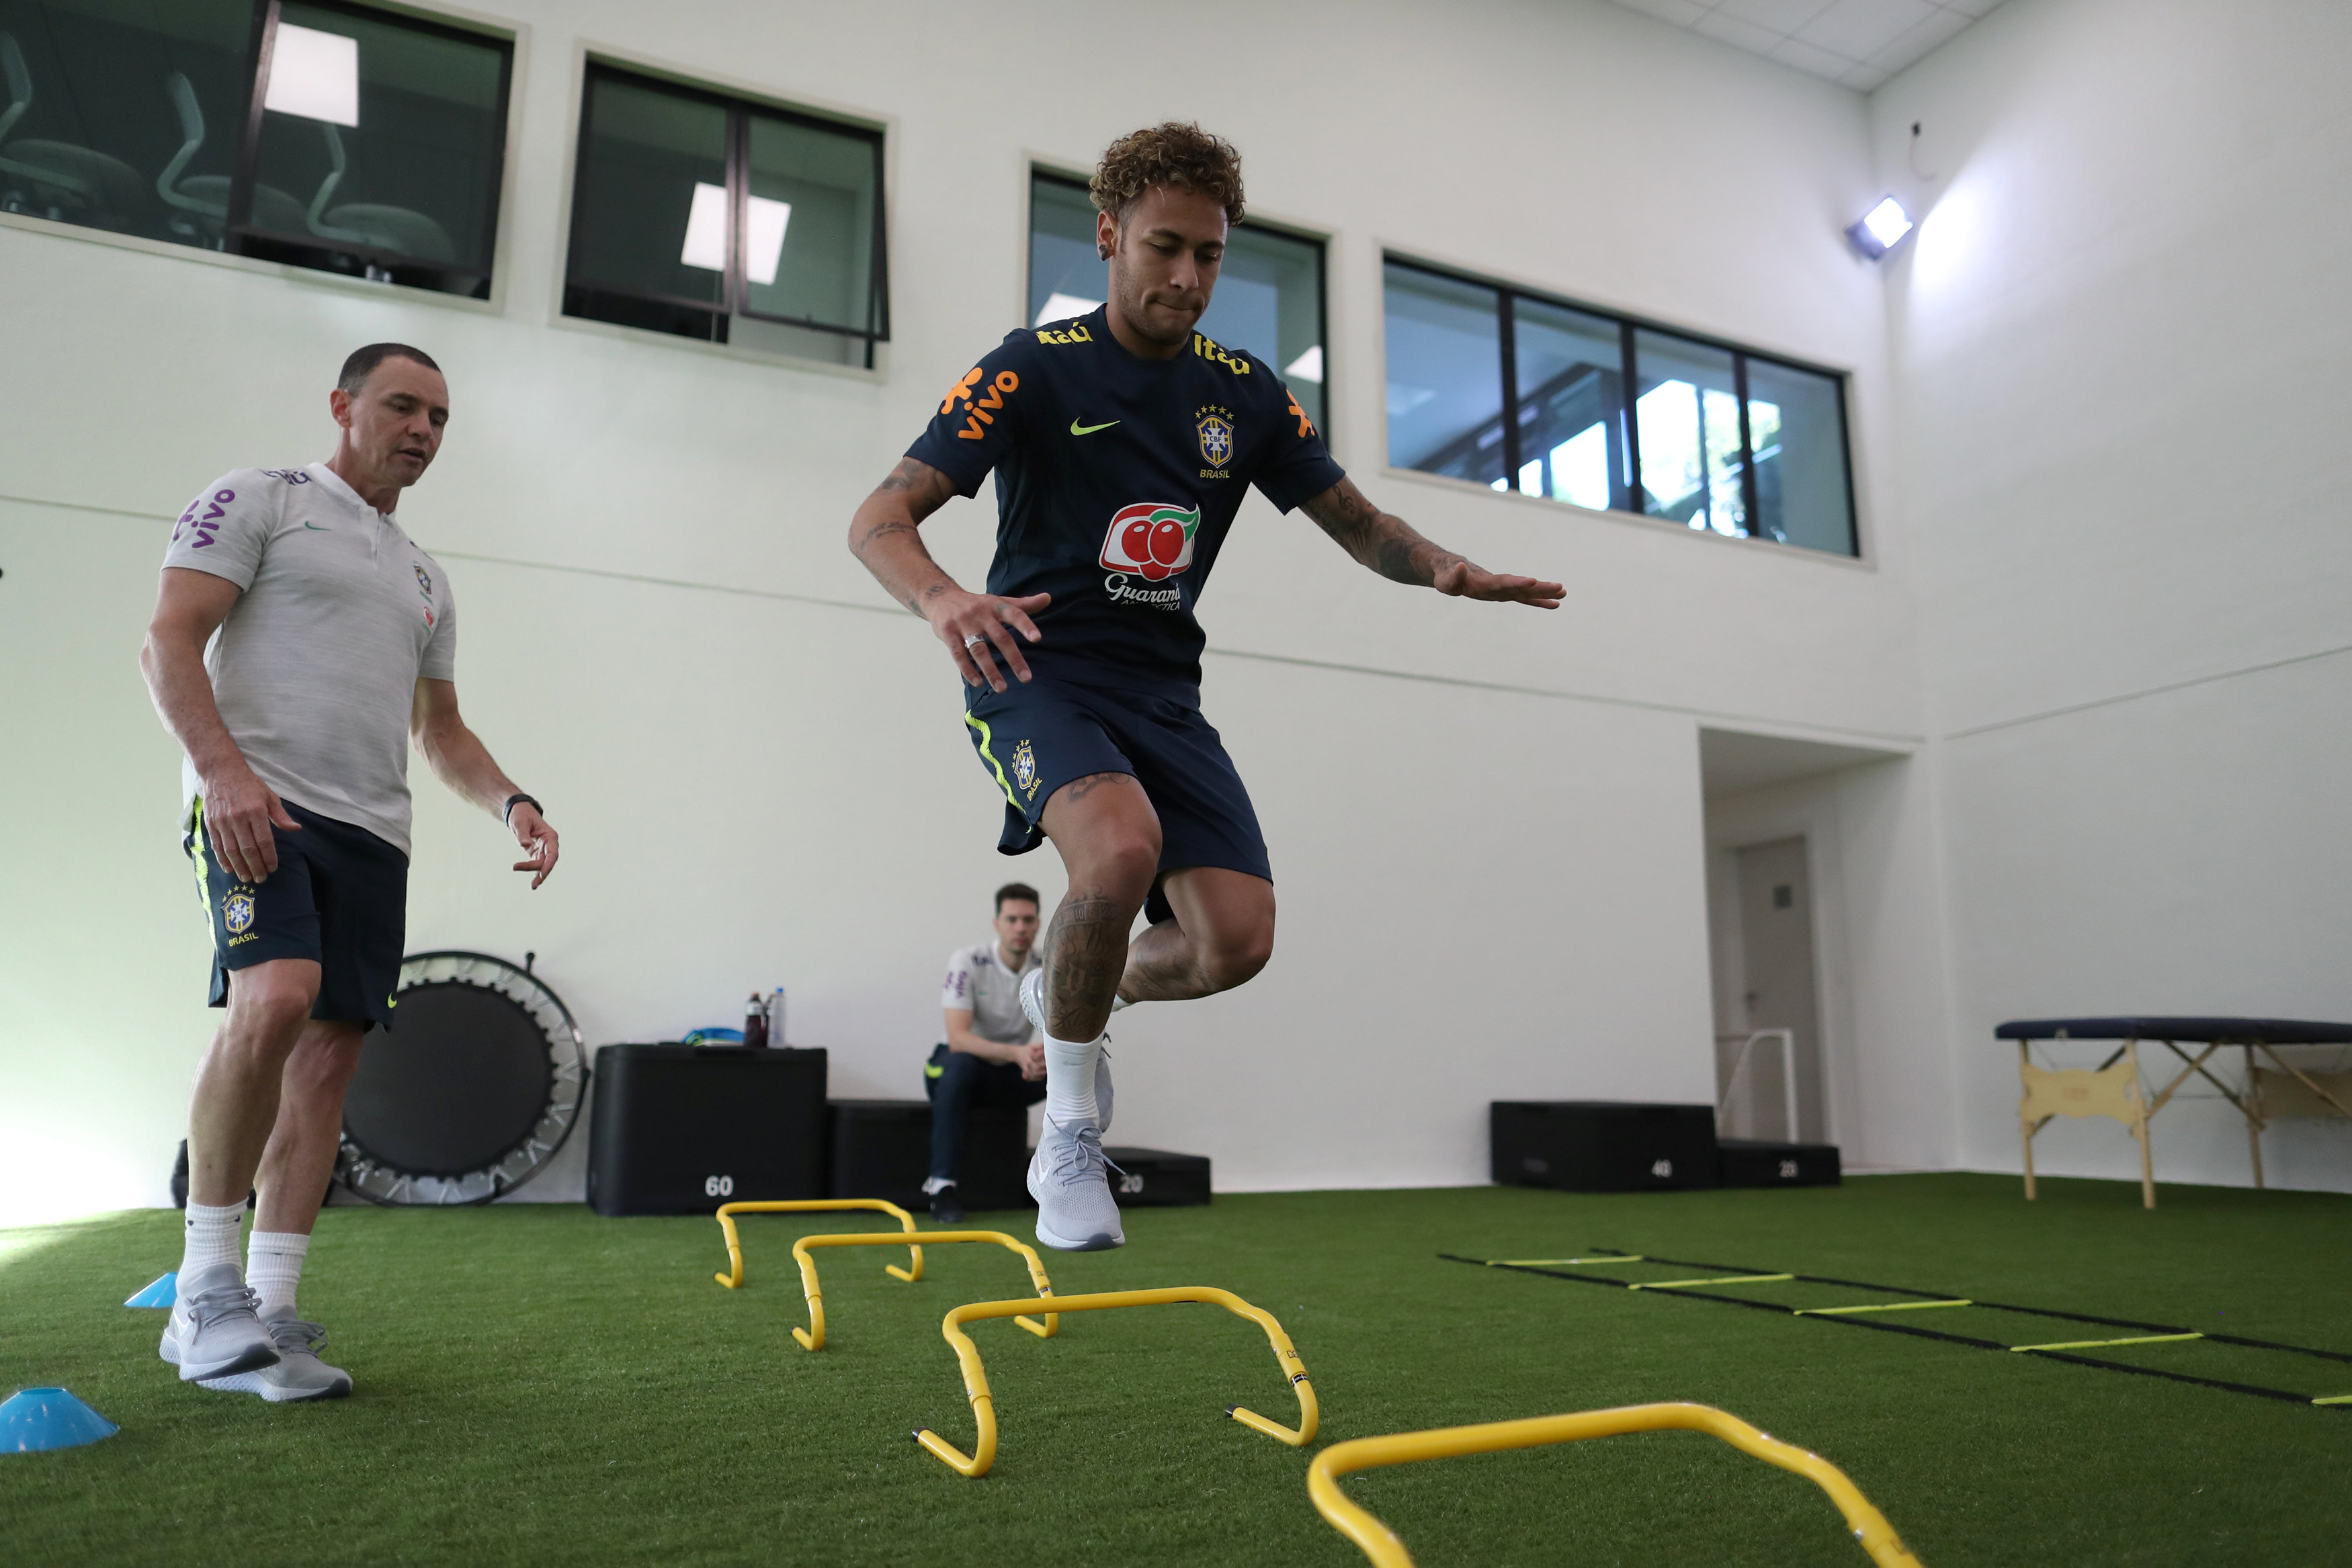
301	640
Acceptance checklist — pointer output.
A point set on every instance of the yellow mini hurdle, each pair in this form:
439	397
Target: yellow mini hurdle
975	1377
733	1278
813	1336
1381	1545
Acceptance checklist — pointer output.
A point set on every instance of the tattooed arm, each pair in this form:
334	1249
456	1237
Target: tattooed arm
886	535
1392	547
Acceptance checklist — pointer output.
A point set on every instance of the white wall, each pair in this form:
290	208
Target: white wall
2119	338
1490	889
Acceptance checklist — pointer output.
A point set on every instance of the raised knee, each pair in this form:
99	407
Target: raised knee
1124	866
277	1003
1237	960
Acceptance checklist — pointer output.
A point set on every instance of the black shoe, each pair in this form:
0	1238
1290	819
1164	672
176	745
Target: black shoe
946	1207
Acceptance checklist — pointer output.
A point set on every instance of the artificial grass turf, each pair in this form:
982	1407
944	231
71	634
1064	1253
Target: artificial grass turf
536	1384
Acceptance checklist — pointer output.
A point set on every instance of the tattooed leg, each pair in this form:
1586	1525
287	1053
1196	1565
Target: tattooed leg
1108	837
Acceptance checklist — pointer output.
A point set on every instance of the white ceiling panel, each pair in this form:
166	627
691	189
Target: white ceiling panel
1858	43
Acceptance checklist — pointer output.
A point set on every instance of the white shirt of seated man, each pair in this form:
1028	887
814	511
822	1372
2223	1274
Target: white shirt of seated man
982	995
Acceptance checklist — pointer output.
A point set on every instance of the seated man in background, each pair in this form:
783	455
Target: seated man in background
989	1056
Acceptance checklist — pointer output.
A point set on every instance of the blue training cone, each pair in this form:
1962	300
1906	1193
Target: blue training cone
39	1418
164	1292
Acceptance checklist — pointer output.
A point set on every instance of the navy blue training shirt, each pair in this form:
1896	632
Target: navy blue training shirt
1116	479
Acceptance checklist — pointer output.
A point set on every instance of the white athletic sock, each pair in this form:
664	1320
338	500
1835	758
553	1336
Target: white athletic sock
934	1185
274	1267
210	1237
1117	1001
1070	1081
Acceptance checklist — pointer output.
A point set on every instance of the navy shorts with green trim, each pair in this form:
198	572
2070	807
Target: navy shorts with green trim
339	898
1036	737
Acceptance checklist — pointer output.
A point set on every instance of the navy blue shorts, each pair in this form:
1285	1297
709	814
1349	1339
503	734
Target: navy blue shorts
1036	737
339	898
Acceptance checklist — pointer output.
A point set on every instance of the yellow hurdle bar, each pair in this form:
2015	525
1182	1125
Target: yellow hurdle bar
813	1336
984	1409
733	1278
2097	1344
1882	1307
1725	1280
1384	1550
1556	1262
2334	1399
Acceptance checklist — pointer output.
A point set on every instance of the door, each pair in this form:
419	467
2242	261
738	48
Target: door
1775	925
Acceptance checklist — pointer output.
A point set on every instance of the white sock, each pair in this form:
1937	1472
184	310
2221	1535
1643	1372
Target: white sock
210	1237
274	1267
1070	1081
1117	1001
934	1185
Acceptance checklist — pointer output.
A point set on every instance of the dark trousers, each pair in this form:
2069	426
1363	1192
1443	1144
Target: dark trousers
956	1080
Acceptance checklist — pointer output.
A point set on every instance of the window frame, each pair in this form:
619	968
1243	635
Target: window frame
1629	326
734	287
244	239
1321	242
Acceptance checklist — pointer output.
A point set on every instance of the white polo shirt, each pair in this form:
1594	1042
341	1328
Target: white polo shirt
978	979
315	669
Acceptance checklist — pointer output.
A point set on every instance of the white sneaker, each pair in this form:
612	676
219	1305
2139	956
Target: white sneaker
213	1330
1033	997
298	1375
1070	1179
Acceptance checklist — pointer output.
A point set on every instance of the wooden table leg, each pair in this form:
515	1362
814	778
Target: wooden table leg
2147	1158
2254	1109
2025	1128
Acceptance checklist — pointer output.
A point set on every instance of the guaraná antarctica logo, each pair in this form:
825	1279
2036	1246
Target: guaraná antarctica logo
1150	539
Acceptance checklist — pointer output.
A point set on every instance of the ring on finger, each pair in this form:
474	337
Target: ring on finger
974	641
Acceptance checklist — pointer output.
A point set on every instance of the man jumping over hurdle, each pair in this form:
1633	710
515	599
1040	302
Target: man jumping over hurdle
1122	442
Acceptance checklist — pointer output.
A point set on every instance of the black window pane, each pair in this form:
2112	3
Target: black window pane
1444	377
649	207
808	223
1065	276
1686	414
123	115
381	138
1269	300
1797	421
1570	367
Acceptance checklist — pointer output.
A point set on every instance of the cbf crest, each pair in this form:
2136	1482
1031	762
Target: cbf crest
1024	769
1216	428
236	911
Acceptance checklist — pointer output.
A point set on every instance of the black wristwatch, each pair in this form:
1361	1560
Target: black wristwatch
514	801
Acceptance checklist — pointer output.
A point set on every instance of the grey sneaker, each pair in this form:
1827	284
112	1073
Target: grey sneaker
1033	997
1070	1179
1102	1088
214	1331
298	1375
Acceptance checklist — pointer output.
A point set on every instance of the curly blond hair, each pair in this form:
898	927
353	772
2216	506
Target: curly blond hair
1176	153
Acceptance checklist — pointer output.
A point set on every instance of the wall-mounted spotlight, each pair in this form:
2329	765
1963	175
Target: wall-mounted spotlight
1880	227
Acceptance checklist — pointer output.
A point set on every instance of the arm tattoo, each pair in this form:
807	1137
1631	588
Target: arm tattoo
1382	540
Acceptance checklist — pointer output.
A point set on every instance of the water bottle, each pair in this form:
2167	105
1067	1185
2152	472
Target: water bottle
776	1019
755	1022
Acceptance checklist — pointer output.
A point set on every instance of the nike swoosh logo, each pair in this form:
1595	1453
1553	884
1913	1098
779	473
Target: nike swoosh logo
316	525
1077	428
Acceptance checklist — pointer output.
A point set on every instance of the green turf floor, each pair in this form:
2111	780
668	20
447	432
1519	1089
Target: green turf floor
537	1384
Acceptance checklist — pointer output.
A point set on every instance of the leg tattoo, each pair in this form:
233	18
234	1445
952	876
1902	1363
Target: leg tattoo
1088	943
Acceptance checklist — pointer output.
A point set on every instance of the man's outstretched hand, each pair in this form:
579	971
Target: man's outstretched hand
538	840
1464	581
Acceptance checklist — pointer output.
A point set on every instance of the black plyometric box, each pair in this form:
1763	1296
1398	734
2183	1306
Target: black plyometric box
882	1148
1749	1163
1154	1178
681	1129
1602	1145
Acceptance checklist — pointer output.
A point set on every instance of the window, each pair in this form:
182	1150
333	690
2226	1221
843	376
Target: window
727	221
1268	299
1611	415
320	133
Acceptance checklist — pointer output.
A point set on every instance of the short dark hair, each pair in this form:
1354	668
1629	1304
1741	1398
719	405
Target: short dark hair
1175	154
1018	890
363	361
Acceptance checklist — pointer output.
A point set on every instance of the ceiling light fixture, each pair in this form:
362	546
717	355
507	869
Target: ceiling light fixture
315	75
1880	229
